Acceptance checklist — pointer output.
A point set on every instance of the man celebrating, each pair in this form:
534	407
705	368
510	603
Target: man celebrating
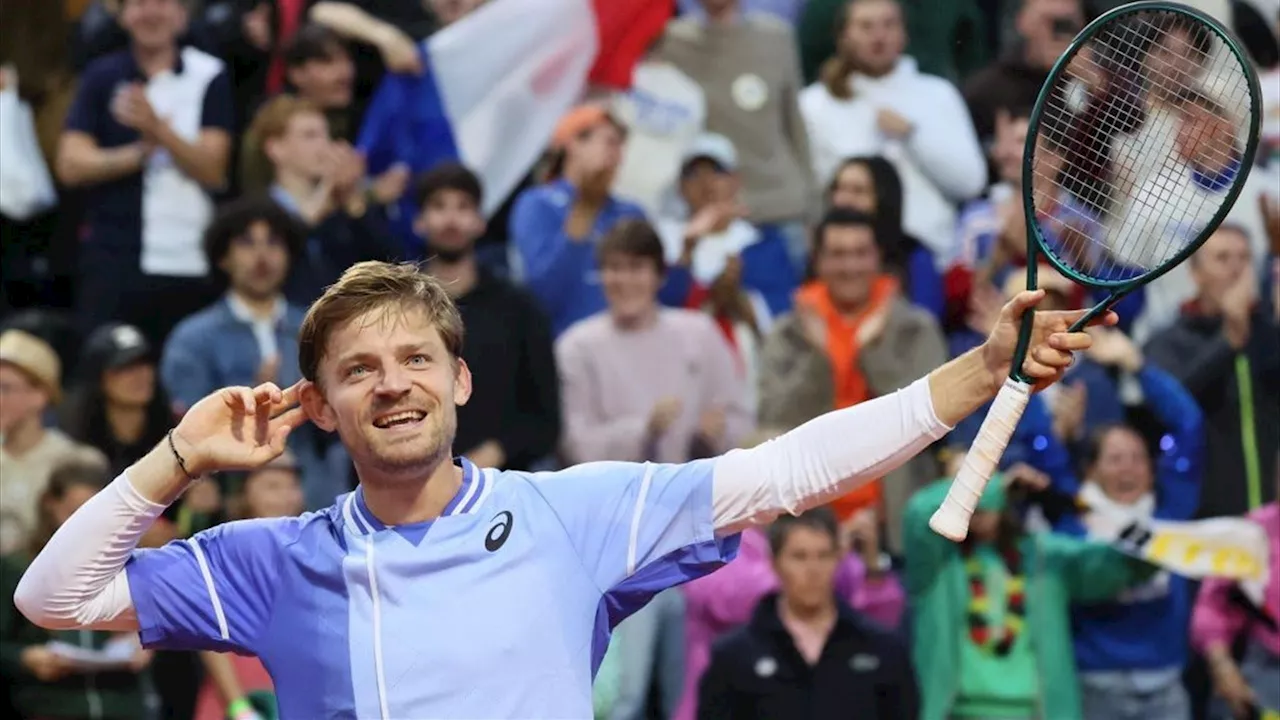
438	589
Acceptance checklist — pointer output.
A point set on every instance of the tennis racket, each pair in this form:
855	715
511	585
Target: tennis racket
1138	145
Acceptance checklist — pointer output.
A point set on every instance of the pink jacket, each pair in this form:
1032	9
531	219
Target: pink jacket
725	599
1216	619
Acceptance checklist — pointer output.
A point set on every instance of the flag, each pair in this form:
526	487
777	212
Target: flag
626	28
496	83
1230	547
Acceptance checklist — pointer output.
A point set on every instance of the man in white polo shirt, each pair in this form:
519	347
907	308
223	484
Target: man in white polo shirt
148	138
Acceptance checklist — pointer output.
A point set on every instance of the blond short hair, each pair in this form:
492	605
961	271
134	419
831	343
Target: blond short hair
370	286
272	119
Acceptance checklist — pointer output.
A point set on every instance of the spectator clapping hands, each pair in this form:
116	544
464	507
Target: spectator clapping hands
44	664
1068	408
1113	348
131	108
1237	303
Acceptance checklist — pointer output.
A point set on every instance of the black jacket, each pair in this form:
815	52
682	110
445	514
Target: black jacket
1195	351
757	672
334	244
515	395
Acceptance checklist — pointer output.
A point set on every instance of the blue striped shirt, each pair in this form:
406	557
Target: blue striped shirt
500	608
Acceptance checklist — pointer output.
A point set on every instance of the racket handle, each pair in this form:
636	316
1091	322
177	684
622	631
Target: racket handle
952	519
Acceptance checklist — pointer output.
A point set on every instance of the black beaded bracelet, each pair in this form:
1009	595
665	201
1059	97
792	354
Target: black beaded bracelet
182	463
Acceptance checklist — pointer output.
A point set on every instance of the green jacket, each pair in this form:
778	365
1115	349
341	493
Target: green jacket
1059	570
106	695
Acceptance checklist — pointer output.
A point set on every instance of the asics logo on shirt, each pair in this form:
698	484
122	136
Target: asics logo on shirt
497	535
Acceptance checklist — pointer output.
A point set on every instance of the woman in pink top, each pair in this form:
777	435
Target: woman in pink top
725	599
1220	616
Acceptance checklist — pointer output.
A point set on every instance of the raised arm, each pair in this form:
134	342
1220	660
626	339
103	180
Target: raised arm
1180	470
81	161
834	453
79	579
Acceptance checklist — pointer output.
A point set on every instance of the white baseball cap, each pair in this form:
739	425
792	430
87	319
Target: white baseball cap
714	147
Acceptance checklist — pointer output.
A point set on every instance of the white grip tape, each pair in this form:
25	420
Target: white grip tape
952	519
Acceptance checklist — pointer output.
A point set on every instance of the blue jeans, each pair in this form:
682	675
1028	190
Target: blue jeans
651	642
1134	695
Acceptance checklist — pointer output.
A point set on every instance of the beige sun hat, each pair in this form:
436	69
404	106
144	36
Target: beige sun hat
34	357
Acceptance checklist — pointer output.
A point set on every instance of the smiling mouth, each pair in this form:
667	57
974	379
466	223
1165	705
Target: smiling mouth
399	419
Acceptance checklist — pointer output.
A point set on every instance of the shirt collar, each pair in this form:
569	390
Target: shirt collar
361	521
766	617
285	200
135	71
241	312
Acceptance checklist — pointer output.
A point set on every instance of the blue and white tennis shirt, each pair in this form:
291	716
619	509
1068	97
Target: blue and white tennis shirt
500	608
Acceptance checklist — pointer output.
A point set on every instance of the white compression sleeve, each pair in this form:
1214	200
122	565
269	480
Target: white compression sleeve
823	459
78	579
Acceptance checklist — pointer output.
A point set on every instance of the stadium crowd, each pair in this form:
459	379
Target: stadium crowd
797	206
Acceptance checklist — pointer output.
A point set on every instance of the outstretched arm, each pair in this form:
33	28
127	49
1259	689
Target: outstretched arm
78	580
834	453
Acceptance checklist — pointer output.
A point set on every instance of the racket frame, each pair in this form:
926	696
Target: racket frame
1037	246
981	461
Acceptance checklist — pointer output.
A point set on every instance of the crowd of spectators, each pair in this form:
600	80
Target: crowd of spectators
798	206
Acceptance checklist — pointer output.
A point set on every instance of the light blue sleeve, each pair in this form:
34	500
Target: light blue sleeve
638	528
214	591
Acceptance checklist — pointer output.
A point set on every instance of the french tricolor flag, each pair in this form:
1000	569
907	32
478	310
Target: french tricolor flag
498	80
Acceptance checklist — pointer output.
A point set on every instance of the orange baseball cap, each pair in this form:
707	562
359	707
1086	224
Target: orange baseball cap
579	120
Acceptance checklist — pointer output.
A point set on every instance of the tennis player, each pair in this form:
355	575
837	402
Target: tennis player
439	589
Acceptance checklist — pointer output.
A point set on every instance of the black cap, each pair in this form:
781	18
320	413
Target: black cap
113	346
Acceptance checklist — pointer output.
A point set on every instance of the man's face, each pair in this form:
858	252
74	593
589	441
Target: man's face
596	152
848	263
133	385
1220	262
854	189
450	222
60	510
327	82
1175	60
716	8
704	182
257	262
1123	468
153	24
273	492
21	399
806	567
874	36
630	285
304	147
1047	28
389	387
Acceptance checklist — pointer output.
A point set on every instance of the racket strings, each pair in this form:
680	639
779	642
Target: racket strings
1137	141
